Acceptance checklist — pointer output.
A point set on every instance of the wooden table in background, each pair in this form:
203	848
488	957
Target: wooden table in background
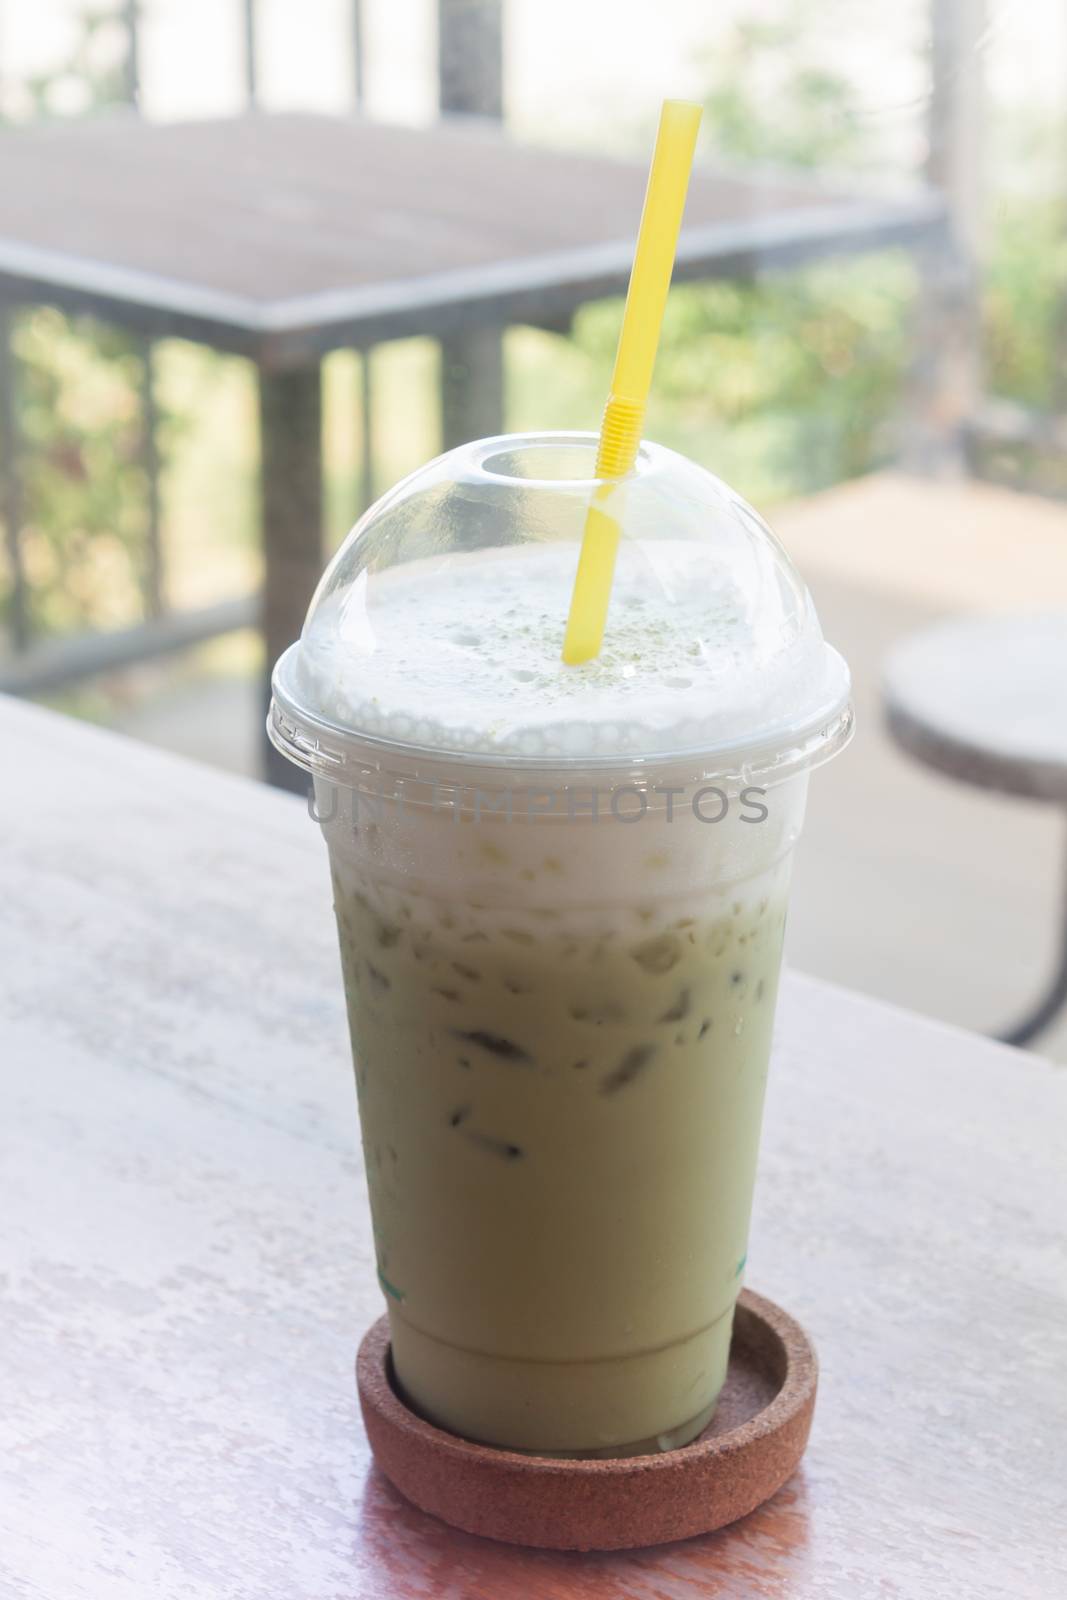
187	1256
282	237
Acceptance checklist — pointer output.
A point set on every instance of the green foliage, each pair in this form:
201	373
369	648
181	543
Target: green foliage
772	100
85	492
77	391
790	382
781	386
793	381
94	73
1025	301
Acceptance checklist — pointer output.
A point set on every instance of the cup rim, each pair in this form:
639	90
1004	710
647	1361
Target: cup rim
325	749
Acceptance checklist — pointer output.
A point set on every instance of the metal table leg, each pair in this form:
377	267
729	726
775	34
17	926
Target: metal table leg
1054	1001
290	407
472	385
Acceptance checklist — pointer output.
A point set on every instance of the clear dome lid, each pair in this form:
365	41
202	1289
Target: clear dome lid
437	627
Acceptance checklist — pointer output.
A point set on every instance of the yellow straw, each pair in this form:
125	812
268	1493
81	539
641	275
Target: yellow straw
624	414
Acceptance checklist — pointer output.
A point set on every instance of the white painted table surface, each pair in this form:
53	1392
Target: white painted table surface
187	1269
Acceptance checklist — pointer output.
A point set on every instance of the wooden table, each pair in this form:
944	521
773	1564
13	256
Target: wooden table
281	237
188	1259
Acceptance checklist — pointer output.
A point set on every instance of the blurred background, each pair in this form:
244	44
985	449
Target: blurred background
896	409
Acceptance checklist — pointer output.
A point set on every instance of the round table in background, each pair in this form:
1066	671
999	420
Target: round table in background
984	700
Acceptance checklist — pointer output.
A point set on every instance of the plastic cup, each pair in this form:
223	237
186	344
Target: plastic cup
560	894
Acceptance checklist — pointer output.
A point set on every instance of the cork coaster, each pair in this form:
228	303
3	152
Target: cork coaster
751	1446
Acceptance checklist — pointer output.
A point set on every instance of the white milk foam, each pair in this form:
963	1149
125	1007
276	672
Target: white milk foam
462	654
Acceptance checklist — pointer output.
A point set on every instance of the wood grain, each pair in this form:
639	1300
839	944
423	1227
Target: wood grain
188	1267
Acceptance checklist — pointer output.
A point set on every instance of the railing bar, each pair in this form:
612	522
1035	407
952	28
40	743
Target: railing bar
358	42
154	573
131	66
470	57
366	429
148	451
251	78
50	664
12	489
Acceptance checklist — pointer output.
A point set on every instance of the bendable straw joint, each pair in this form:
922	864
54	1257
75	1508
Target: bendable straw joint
620	437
